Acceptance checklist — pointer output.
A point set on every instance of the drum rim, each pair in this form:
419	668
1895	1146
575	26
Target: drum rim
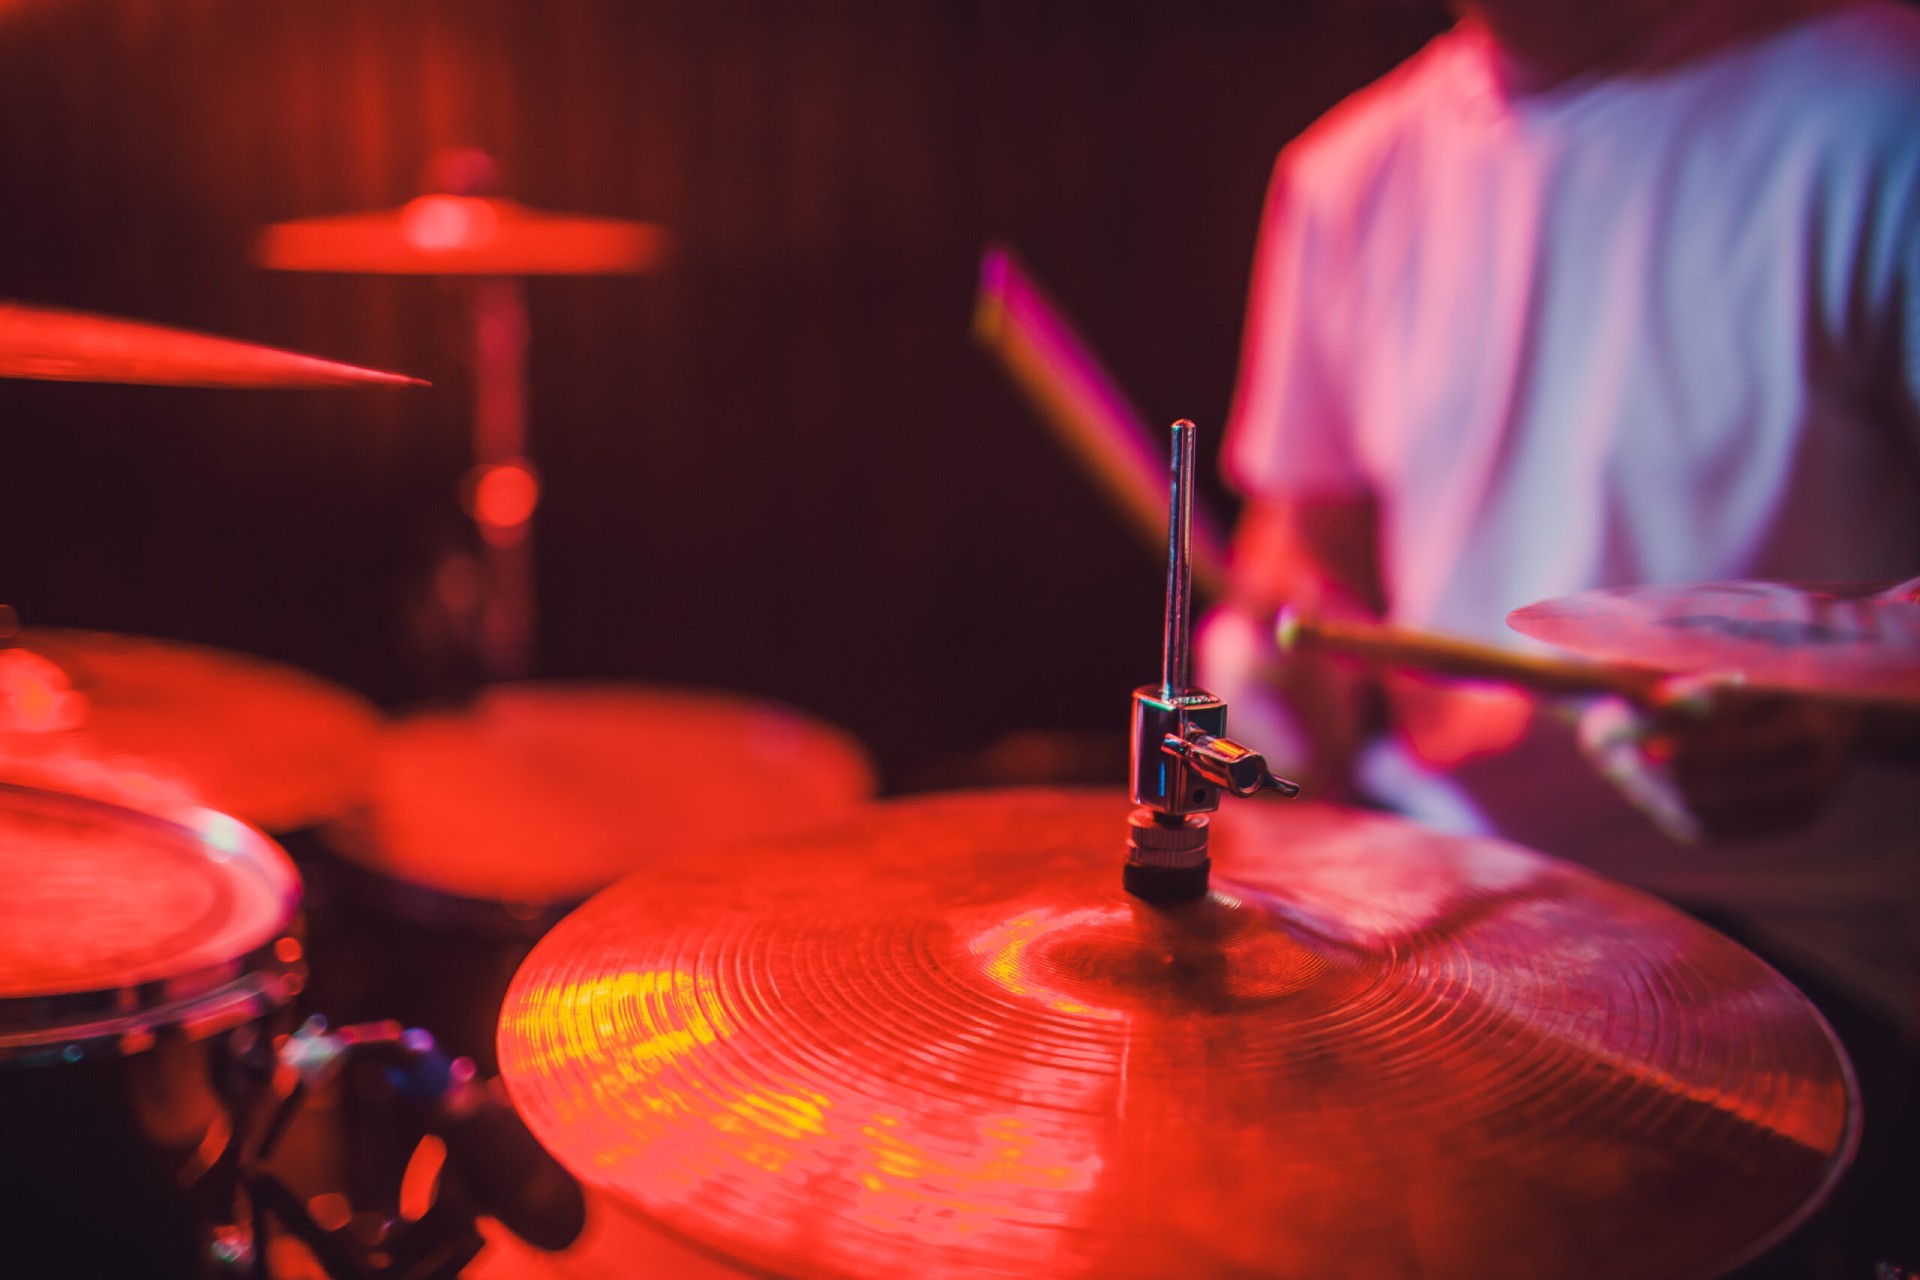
199	1001
232	994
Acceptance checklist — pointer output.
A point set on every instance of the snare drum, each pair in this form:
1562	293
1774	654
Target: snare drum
488	823
142	957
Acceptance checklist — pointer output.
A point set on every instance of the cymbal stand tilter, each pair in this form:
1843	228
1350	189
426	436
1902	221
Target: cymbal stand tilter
1182	758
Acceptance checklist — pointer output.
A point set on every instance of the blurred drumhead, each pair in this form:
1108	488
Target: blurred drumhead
102	898
544	792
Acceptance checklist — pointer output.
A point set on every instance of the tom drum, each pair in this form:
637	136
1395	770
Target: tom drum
144	957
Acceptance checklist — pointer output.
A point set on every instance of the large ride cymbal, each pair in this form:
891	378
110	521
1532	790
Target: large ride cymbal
71	346
937	1039
462	235
126	715
1856	640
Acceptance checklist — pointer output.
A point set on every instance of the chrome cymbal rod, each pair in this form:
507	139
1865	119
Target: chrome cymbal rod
1176	652
1182	758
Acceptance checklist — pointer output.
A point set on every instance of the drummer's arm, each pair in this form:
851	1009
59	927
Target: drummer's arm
1307	712
1307	533
1316	553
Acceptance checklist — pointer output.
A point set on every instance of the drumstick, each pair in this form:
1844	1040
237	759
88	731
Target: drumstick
1394	646
1908	591
1886	721
1078	398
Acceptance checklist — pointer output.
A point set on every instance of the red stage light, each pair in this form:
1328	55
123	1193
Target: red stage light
504	496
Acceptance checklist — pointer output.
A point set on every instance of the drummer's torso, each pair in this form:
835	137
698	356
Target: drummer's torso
1532	393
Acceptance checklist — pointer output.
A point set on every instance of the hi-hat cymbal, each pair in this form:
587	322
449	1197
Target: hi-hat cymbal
1848	639
123	715
462	235
937	1039
71	346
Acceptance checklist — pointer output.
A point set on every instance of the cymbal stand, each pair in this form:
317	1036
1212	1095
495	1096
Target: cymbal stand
493	1166
1182	758
502	489
436	1246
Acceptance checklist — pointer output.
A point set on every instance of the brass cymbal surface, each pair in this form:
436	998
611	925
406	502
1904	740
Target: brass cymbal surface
937	1039
47	344
1848	638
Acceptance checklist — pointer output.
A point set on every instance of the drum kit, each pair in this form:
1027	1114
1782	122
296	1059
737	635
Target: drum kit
263	948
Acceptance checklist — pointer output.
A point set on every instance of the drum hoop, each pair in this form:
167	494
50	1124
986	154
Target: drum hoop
52	1030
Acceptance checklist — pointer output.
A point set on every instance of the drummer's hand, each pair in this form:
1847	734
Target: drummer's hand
1303	714
1707	759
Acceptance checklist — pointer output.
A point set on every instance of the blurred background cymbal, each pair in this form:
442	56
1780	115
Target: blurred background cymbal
50	345
442	234
267	743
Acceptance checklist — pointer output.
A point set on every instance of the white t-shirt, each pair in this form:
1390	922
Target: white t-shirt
1647	328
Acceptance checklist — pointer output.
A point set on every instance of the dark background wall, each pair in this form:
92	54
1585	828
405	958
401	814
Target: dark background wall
779	465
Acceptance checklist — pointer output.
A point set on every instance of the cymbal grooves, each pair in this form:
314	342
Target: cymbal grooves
937	1039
